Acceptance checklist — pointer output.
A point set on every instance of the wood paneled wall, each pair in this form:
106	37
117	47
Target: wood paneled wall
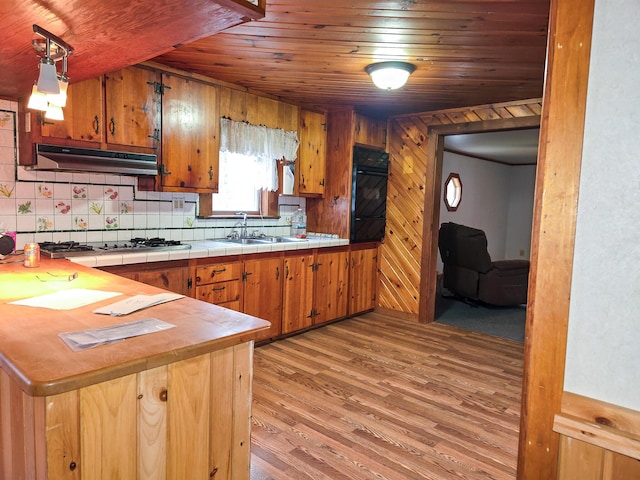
407	269
598	440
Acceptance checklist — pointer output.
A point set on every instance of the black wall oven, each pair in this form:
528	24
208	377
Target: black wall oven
369	195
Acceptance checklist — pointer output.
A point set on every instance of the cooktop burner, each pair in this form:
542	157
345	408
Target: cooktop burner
75	249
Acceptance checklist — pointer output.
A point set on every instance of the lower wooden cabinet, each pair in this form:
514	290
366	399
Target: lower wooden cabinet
188	419
315	288
220	284
297	309
331	286
263	279
363	278
293	290
173	276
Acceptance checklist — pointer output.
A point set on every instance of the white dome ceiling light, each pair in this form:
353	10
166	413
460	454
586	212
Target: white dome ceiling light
390	75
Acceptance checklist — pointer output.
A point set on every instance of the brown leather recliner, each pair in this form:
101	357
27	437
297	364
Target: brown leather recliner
469	272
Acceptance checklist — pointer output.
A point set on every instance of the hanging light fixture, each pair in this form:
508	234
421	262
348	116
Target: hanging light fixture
37	100
49	93
390	75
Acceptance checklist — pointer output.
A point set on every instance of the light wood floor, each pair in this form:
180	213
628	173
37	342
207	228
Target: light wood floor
378	398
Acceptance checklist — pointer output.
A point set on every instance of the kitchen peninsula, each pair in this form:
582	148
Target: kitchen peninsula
172	404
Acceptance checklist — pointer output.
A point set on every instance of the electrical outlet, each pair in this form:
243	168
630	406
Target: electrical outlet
288	219
178	203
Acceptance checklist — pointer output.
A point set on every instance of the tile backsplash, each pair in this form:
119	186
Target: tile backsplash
87	207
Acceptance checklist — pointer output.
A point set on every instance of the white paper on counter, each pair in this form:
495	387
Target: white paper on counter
83	339
66	299
137	302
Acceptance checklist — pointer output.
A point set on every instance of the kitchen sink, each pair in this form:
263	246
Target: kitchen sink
260	240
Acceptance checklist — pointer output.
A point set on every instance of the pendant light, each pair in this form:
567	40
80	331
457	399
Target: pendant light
49	93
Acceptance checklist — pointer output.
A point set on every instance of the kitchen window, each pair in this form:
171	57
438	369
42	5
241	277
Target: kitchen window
248	165
239	186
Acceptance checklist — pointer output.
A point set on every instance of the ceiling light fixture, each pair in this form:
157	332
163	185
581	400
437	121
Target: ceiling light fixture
390	75
49	93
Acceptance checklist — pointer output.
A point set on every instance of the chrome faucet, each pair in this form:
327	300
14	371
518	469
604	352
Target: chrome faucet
243	232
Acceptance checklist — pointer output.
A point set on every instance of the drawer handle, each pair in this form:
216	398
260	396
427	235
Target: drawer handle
222	270
218	289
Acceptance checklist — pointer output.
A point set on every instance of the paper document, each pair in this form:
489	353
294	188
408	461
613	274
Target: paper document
66	299
90	338
135	303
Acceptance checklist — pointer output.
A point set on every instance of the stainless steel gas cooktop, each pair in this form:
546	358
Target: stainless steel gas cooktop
75	249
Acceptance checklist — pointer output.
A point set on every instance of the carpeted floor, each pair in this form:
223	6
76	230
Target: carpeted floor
504	322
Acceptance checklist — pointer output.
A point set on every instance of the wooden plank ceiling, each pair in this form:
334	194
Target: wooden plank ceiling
467	52
105	36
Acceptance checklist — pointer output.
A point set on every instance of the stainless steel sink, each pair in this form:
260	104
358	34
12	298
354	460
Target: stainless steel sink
260	240
241	241
281	239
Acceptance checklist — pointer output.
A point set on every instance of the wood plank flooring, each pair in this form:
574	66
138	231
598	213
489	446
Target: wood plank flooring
374	397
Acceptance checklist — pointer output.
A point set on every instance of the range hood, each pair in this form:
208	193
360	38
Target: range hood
69	159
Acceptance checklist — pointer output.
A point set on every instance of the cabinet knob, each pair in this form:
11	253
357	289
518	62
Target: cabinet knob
163	395
73	466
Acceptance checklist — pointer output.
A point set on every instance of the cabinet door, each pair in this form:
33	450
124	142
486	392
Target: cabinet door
331	284
297	312
83	114
263	292
370	132
312	153
132	107
363	279
190	135
172	279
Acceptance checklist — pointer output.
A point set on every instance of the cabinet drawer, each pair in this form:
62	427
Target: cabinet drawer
218	273
219	292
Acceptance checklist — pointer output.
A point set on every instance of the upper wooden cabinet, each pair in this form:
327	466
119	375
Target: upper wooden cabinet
132	107
370	132
84	118
190	136
310	171
119	110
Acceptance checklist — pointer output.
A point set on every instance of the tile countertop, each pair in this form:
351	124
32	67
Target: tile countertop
202	249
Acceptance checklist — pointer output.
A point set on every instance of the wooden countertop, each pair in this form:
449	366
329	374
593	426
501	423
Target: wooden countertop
34	356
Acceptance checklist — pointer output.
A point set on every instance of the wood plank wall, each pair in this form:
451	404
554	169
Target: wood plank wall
413	198
598	440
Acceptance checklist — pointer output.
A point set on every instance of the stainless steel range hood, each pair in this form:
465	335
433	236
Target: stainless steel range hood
68	159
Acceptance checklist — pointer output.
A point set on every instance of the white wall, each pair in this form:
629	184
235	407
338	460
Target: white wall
496	198
522	186
603	349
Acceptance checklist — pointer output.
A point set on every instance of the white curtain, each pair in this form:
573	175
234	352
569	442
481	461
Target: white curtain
266	145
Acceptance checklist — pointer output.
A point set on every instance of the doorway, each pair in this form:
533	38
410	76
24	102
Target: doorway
430	255
494	175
